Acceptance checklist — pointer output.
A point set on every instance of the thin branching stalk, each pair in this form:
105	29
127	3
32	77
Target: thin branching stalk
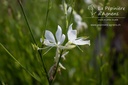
47	13
57	65
72	5
21	6
44	67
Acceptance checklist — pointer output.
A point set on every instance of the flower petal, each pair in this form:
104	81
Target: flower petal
46	42
64	54
49	36
58	34
72	34
77	17
62	39
62	66
81	42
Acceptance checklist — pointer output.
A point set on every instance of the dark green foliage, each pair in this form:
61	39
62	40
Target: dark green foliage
82	68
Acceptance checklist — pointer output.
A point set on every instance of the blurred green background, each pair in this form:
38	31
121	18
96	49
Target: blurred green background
102	63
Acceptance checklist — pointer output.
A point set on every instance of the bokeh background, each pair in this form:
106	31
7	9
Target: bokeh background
104	62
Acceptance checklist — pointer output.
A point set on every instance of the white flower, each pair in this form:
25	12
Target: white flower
67	9
77	17
51	41
72	37
79	24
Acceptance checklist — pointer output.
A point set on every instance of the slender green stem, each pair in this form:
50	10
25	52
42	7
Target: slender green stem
73	5
46	20
19	63
57	65
27	21
47	13
44	67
